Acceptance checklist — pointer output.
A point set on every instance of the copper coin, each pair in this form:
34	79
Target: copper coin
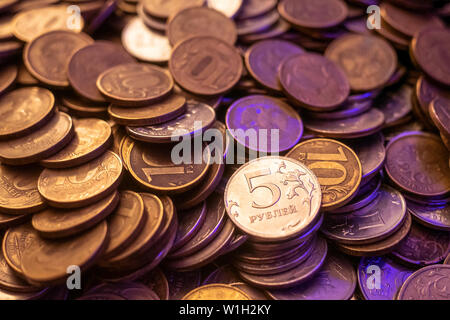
440	114
260	113
395	105
134	84
278	29
18	190
150	21
46	261
257	24
429	283
205	65
155	113
214	101
8	76
225	274
335	281
229	8
83	108
362	125
254	8
145	44
197	118
357	54
30	24
374	222
426	91
417	162
434	217
303	75
378	248
216	292
429	48
200	21
82	185
313	14
423	246
408	22
40	144
47	56
273	198
24	110
9	221
92	138
89	62
157	281
336	167
165	9
180	283
397	39
189	223
54	223
253	293
347	110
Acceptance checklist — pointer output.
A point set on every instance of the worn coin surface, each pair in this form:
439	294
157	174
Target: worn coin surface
165	9
429	283
82	185
92	138
273	198
336	167
426	91
435	217
205	65
47	56
216	292
134	84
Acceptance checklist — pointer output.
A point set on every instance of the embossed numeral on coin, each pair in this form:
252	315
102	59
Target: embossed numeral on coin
274	189
328	162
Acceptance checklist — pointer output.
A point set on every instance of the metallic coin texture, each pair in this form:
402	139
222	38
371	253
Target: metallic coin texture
165	9
189	224
429	283
216	292
435	217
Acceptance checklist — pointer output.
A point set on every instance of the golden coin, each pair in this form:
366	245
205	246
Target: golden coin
40	144
82	185
24	110
18	190
56	223
216	292
92	138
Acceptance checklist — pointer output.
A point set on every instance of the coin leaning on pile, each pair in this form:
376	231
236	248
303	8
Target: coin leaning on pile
224	150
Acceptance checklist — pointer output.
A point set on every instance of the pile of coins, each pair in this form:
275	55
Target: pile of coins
224	149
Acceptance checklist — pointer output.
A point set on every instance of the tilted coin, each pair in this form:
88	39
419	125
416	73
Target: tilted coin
358	55
134	84
200	21
47	56
190	222
434	217
8	75
254	8
278	29
165	9
205	65
18	190
156	280
154	113
282	125
426	91
273	198
180	283
303	75
347	110
82	185
46	261
9	220
40	144
336	167
83	108
92	138
417	162
228	8
157	24
225	274
395	105
257	24
53	223
439	110
29	24
429	283
216	292
24	110
89	62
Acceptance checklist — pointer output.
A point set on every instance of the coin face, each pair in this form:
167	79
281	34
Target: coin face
30	24
435	217
216	292
47	56
201	21
313	14
282	124
429	283
89	62
189	224
396	105
303	75
54	223
258	24
273	198
368	61
418	163
440	114
18	190
40	144
82	185
429	48
92	138
426	91
254	8
134	84
264	58
46	261
335	165
166	8
157	282
24	110
228	8
205	65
